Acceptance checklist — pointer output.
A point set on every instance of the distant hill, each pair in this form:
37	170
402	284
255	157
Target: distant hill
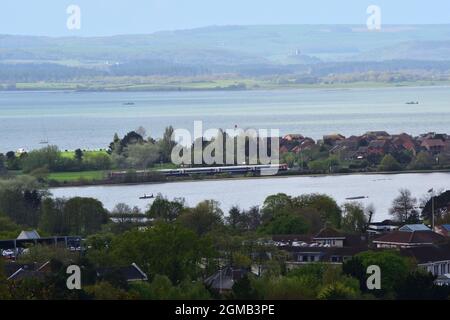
228	44
247	50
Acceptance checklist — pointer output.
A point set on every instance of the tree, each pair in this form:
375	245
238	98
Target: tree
326	206
286	224
441	204
20	199
142	156
354	218
166	210
276	204
419	285
243	290
245	220
8	229
79	155
161	288
167	144
234	218
394	269
422	161
404	207
104	290
84	216
389	163
165	249
48	157
2	164
205	217
52	218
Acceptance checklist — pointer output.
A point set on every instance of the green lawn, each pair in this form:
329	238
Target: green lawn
75	176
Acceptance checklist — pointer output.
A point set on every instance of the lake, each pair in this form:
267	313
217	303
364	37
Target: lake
380	189
88	120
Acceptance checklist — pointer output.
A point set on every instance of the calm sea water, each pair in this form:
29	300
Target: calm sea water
380	189
89	119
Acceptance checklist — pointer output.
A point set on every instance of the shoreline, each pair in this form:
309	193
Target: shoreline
280	176
338	86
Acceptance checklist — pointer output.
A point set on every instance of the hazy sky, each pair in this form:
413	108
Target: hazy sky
109	17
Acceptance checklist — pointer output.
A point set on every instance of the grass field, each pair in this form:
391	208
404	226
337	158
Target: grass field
76	176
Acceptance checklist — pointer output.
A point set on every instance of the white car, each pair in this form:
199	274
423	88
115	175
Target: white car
8	253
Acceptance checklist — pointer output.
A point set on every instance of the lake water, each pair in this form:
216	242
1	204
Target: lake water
380	189
89	119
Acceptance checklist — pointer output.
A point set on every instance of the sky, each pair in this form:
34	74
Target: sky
111	17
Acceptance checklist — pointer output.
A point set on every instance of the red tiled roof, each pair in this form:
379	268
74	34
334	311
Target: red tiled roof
433	143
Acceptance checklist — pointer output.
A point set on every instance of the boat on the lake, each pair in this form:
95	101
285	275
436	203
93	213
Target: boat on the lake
146	196
412	102
128	104
356	198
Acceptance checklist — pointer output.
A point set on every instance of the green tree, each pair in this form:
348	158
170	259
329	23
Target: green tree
79	155
205	217
166	210
142	156
354	218
84	216
419	285
286	224
389	163
166	144
326	206
394	269
165	249
48	157
423	161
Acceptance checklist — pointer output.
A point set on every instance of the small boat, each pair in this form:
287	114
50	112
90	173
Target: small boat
146	196
128	104
356	198
413	102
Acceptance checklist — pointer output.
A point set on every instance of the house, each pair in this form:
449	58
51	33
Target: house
303	255
414	227
443	229
293	137
131	273
379	147
223	280
432	258
406	142
434	146
330	237
16	272
29	235
332	139
409	236
376	134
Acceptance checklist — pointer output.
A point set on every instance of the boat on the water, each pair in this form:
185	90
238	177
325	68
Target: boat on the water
146	196
412	102
356	198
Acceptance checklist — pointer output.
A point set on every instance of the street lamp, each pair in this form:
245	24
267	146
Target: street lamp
432	208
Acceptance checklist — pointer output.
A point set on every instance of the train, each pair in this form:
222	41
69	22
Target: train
243	169
225	169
